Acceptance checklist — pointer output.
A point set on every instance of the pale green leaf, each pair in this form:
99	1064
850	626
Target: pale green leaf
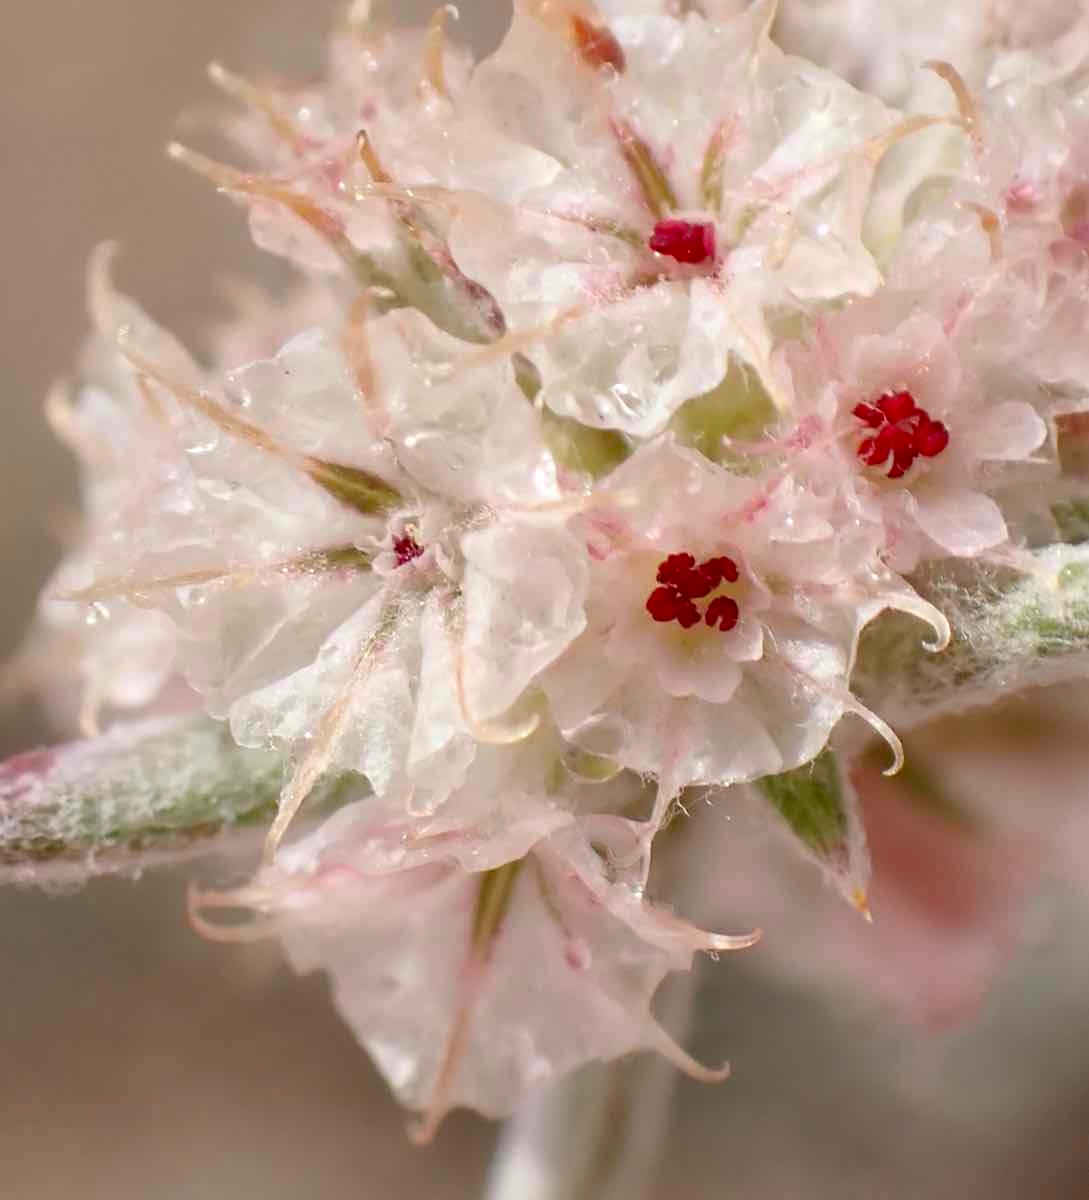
738	409
142	794
1010	631
818	806
1072	520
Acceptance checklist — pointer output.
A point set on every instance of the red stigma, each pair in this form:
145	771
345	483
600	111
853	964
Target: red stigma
597	45
405	549
682	583
690	242
902	431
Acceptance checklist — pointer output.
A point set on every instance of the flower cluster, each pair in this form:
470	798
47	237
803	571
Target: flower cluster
635	371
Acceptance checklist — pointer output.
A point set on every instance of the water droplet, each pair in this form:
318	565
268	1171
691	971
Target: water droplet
97	613
603	737
624	399
439	372
663	362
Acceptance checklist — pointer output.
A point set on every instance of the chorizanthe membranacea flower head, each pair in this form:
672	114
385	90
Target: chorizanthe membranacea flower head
631	375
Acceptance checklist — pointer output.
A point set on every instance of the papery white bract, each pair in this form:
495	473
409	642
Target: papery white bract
125	655
471	984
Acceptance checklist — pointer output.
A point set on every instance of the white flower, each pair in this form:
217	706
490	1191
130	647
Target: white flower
675	179
881	47
368	576
124	654
723	618
1014	171
894	418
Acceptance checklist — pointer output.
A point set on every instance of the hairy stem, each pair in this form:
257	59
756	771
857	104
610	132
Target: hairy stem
598	1135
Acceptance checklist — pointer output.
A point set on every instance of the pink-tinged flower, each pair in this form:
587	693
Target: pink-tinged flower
946	895
329	162
384	79
880	48
995	210
362	562
1026	160
471	984
894	421
722	621
264	319
405	689
123	654
651	186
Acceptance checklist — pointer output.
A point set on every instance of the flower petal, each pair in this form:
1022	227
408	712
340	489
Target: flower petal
963	522
1008	432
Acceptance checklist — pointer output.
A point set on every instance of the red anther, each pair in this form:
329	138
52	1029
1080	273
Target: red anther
902	462
679	572
720	570
723	614
869	415
597	45
897	406
695	585
689	615
690	242
676	566
663	604
903	431
682	583
902	440
881	447
931	438
405	549
666	604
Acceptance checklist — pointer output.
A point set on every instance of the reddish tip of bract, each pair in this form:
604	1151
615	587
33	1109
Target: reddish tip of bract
597	45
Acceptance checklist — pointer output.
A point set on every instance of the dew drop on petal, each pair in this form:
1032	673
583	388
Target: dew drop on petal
97	613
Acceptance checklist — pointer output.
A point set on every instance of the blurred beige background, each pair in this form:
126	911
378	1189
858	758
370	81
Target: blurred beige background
138	1061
